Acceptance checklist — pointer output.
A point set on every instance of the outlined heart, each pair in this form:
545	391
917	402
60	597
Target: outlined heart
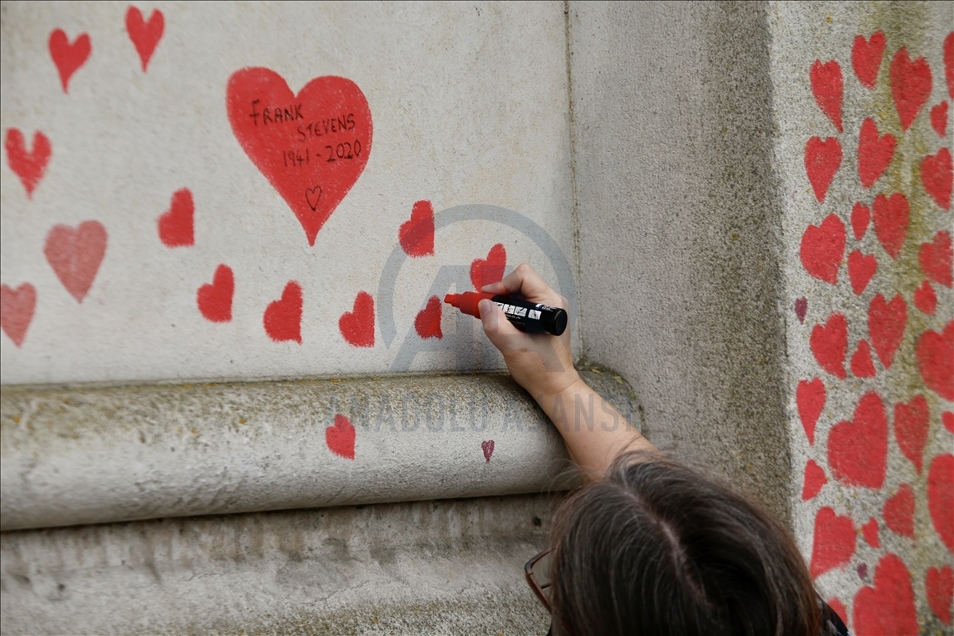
810	398
910	85
861	267
417	234
936	176
939	584
340	437
860	215
828	88
937	258
891	217
874	152
834	541
428	320
888	606
935	354
312	147
886	324
911	422
898	512
866	58
145	36
16	311
829	344
177	225
939	119
870	532
940	494
67	57
29	166
357	326
862	366
801	308
215	299
925	299
489	270
76	254
488	449
822	249
282	318
813	481
822	159
858	450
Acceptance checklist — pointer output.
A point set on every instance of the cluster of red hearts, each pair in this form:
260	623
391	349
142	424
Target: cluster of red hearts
858	449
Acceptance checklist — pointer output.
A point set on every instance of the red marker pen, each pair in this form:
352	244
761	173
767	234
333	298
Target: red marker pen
522	314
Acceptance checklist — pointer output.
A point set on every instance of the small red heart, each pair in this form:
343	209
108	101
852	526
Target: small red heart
940	492
814	480
910	85
834	541
282	317
428	320
28	166
898	512
911	422
860	215
937	258
145	36
483	272
68	57
886	323
949	63
417	234
870	532
891	216
866	58
862	365
925	299
810	398
822	159
16	310
828	89
874	153
936	176
822	249
829	344
888	607
488	448
340	437
176	225
939	119
935	354
801	308
858	450
939	584
357	326
947	419
861	267
215	299
75	255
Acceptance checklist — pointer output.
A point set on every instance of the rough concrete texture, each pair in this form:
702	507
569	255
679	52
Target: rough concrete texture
442	567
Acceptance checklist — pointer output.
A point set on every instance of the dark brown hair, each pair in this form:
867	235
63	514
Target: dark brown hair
656	548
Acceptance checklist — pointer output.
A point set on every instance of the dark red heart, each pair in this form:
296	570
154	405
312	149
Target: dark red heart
936	176
145	36
888	606
891	217
866	58
858	450
28	166
886	324
910	85
428	320
68	57
801	308
488	449
822	159
282	317
417	234
357	326
834	541
935	354
822	249
828	89
176	225
829	344
16	310
215	299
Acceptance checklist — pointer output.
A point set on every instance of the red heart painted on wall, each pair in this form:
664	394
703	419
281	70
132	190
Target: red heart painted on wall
828	89
215	299
911	422
947	420
949	63
68	57
340	437
28	166
870	532
939	119
898	512
810	399
822	248
822	159
861	267
145	36
925	299
357	326
939	584
312	147
75	255
16	310
813	481
891	216
176	225
282	317
888	607
937	258
874	153
866	58
936	176
488	448
829	344
858	450
862	366
489	270
940	492
834	541
417	234
935	354
860	215
886	324
910	85
428	320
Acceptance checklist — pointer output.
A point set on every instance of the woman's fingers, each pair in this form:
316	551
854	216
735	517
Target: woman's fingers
526	282
498	329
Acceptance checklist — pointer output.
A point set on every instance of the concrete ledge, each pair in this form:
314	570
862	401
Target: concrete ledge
99	455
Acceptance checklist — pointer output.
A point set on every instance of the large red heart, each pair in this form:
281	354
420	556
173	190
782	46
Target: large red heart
911	422
75	255
891	216
858	450
939	584
861	267
489	270
935	354
145	36
417	234
936	176
866	58
176	225
28	166
925	299
860	215
215	299
312	147
822	159
886	323
834	541
910	85
888	607
357	325
862	366
68	57
829	344
428	320
874	153
16	310
898	512
813	481
828	88
822	248
940	492
937	258
810	398
340	437
939	120
282	317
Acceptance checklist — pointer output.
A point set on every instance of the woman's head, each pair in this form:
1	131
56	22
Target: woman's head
655	548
